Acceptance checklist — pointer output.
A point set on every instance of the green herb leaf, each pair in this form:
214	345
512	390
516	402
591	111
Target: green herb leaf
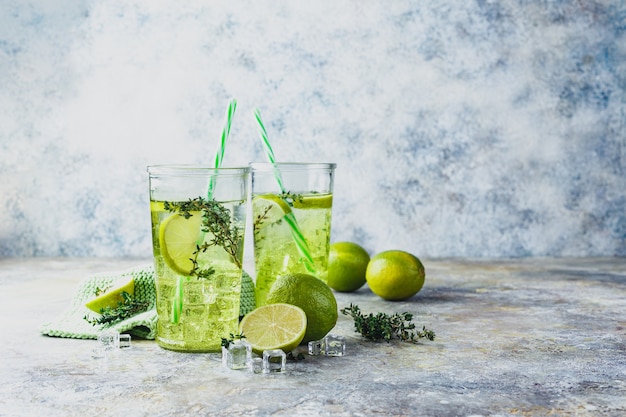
233	337
125	309
216	219
386	327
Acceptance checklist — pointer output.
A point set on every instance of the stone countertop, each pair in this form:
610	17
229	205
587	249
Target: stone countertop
530	337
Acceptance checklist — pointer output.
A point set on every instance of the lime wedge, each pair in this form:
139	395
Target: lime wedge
178	238
313	201
113	295
268	209
274	326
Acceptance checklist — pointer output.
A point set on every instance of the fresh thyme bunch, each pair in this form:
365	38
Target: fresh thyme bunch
383	326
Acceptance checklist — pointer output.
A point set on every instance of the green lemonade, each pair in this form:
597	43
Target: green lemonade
275	250
198	274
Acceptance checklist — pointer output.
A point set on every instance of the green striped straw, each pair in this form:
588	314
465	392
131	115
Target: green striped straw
219	155
290	218
177	304
269	152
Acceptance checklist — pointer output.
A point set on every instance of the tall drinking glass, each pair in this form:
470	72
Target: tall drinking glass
198	222
291	215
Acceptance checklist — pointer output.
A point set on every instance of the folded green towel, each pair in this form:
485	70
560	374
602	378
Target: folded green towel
72	324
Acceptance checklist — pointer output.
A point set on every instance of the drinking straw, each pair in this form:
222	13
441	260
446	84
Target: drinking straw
269	152
177	304
290	218
219	155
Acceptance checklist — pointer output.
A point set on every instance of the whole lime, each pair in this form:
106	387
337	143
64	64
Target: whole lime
347	262
313	296
395	275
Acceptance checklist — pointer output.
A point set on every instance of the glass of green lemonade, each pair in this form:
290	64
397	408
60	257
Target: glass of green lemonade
198	222
291	219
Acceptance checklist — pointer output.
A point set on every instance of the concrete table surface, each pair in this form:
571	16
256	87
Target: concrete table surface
530	337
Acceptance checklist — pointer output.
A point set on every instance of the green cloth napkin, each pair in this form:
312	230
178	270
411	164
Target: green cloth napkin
72	324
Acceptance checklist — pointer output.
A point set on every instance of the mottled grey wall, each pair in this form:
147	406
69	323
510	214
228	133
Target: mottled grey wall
460	128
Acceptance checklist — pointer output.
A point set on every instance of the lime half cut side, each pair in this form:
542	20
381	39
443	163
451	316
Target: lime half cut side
274	326
178	237
268	209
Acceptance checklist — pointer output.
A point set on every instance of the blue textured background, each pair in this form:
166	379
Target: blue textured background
460	128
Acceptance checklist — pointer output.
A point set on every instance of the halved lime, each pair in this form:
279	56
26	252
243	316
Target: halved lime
274	326
178	238
313	201
113	295
268	209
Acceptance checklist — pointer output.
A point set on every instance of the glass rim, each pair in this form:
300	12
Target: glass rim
291	166
194	169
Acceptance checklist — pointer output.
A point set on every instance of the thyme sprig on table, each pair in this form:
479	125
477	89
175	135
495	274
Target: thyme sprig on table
216	219
126	308
383	326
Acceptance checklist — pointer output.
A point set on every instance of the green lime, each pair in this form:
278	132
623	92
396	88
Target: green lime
395	275
178	238
347	263
113	295
274	326
313	201
313	296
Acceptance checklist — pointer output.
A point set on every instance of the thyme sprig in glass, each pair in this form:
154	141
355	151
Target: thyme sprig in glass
288	197
216	220
383	326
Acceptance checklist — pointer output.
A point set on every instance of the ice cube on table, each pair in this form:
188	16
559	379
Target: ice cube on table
274	360
316	347
238	355
256	365
109	340
331	345
334	345
125	341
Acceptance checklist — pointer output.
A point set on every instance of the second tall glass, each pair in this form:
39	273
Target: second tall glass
291	220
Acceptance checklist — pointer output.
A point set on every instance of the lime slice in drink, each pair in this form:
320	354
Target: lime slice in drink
268	209
113	295
178	238
274	326
313	201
